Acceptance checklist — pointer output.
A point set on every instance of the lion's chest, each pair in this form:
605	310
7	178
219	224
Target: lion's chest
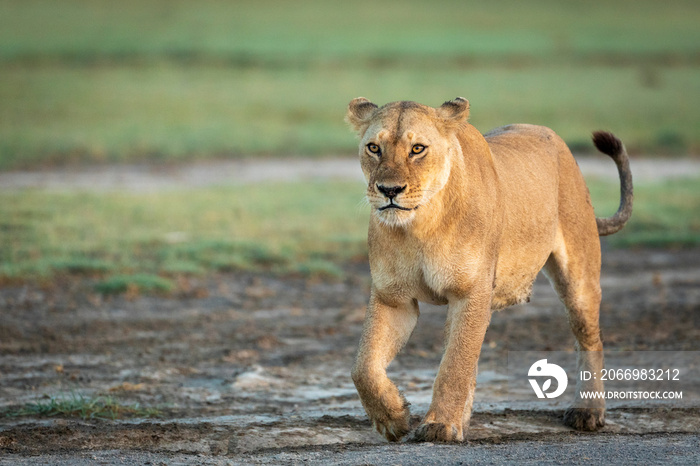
402	281
416	271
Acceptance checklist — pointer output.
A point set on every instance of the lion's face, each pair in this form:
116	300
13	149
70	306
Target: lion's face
405	153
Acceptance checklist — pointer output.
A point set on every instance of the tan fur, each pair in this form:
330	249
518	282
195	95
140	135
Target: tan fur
479	217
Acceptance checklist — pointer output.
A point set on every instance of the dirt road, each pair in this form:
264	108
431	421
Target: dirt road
148	178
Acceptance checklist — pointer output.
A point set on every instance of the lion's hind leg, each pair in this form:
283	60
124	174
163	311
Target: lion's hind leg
574	270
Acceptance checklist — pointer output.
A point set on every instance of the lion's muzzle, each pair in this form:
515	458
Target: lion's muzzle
391	191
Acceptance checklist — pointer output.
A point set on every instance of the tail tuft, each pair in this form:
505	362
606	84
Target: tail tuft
608	143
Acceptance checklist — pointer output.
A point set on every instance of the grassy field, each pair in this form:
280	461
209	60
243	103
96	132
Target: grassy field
665	213
305	229
94	81
264	31
282	228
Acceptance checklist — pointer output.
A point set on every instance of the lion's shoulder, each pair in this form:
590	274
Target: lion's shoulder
531	144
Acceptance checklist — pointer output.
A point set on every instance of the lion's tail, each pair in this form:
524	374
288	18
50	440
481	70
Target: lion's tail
609	144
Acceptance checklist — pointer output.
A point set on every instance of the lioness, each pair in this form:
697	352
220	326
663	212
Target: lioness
469	220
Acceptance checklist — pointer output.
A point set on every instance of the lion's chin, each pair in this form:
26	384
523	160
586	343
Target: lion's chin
395	217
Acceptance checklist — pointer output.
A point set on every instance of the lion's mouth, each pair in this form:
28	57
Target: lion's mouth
395	206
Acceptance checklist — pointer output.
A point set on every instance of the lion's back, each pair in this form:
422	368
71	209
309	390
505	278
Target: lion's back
522	141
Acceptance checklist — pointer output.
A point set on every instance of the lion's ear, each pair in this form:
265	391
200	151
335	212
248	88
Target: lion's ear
360	111
456	110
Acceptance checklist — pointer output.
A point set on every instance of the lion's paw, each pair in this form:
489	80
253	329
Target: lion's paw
390	417
585	419
392	430
438	432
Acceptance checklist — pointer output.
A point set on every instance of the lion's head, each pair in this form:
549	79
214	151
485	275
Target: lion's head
406	152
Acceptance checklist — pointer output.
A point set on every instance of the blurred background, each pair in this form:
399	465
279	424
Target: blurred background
99	82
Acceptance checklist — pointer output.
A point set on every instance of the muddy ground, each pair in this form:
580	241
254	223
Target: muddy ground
255	369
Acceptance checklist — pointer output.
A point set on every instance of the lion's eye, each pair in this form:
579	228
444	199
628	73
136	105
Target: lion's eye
373	148
417	149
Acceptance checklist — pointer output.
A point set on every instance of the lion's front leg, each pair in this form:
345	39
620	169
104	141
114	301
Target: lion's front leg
386	330
453	390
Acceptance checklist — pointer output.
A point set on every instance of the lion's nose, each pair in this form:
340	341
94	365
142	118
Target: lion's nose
391	191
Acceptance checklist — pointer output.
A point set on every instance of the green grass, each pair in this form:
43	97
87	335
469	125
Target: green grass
286	228
666	214
140	282
318	30
168	112
93	81
78	405
141	241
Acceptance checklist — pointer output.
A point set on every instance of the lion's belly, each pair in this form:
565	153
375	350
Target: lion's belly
512	291
517	270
